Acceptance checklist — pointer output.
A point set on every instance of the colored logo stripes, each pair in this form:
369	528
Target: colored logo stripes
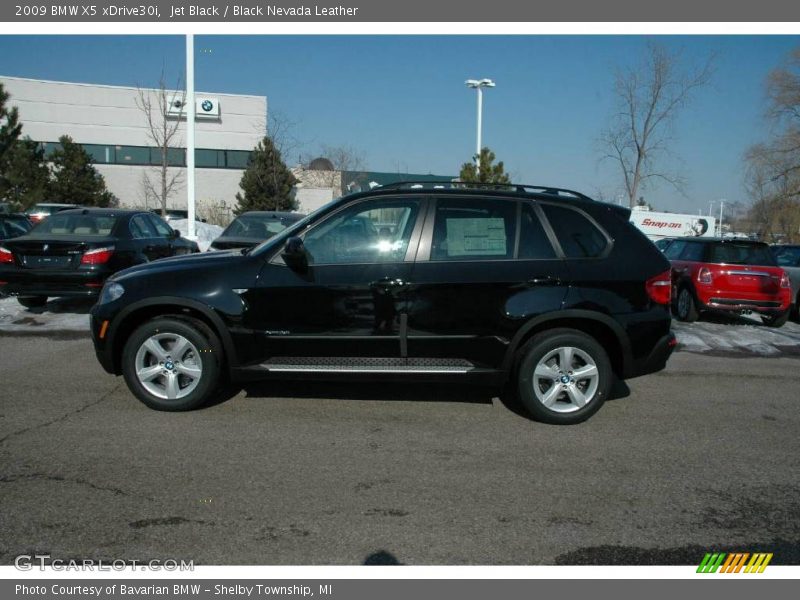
734	562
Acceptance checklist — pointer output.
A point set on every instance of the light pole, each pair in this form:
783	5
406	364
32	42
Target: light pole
721	206
190	115
479	84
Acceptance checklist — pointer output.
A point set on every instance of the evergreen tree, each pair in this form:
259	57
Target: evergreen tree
489	173
267	184
10	129
26	174
74	178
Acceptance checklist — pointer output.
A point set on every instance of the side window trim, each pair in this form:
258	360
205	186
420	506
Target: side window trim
549	231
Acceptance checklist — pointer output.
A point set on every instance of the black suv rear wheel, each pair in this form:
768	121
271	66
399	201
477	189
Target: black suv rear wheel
564	376
172	364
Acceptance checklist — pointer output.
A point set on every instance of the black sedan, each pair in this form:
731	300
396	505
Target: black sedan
251	228
14	225
73	252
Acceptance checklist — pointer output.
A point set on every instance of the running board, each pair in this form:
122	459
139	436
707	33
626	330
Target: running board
370	365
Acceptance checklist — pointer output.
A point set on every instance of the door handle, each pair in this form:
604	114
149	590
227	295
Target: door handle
389	283
546	280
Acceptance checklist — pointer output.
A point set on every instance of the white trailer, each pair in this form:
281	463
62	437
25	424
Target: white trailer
659	225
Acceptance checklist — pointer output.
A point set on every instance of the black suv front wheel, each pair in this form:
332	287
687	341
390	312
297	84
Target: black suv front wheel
564	376
172	364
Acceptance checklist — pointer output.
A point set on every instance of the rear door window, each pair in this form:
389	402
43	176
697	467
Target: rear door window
578	236
141	228
474	229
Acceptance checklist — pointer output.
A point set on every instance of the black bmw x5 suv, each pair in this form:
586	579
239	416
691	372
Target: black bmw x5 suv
542	288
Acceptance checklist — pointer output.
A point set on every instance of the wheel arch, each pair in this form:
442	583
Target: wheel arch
602	328
134	315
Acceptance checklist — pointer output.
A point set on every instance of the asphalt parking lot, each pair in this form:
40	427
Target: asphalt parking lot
701	456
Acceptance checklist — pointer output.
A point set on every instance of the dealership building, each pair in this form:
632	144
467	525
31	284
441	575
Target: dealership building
113	129
110	124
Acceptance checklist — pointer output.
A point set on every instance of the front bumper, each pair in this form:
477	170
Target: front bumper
100	325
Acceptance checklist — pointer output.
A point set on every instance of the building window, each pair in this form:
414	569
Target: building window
133	155
237	159
209	158
206	158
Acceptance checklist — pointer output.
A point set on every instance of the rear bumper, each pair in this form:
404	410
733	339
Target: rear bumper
721	299
37	283
656	360
744	304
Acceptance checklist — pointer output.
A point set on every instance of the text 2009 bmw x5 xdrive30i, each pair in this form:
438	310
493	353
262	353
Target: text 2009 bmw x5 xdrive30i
545	287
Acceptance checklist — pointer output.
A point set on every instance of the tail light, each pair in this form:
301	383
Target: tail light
6	258
98	256
659	288
704	275
36	217
785	283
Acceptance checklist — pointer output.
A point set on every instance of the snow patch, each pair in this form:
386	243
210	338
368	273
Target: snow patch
206	233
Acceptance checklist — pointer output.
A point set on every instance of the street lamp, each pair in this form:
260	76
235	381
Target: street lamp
479	84
190	117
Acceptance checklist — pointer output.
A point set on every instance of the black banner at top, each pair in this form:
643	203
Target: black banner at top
400	11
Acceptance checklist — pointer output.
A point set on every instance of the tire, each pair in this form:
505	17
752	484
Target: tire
686	306
775	319
32	301
579	398
164	381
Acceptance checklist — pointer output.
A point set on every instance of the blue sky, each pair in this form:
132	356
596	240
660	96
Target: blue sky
401	100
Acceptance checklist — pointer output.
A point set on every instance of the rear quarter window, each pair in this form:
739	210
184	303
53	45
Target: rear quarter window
578	236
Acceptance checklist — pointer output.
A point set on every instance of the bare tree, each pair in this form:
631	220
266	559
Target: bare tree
773	167
649	97
163	108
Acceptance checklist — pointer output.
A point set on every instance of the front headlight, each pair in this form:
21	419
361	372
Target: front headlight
111	291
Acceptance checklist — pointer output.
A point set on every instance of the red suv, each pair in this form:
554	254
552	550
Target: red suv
728	275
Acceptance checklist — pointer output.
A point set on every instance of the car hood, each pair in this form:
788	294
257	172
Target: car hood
183	262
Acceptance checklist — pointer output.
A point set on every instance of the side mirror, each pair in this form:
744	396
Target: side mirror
294	255
175	234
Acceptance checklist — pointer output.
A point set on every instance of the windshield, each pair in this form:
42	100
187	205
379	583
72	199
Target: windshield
258	227
79	224
739	253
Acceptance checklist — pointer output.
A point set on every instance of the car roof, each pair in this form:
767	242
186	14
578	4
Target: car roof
97	211
511	190
275	214
705	240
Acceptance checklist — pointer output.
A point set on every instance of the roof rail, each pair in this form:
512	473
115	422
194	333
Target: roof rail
509	187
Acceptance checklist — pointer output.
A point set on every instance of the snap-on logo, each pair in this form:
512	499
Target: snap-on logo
660	224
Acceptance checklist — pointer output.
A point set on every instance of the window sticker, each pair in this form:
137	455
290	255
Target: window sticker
476	237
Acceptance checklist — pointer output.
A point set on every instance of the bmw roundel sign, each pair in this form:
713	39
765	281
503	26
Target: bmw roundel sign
207	108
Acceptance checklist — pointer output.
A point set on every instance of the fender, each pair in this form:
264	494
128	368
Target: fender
571	313
207	311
